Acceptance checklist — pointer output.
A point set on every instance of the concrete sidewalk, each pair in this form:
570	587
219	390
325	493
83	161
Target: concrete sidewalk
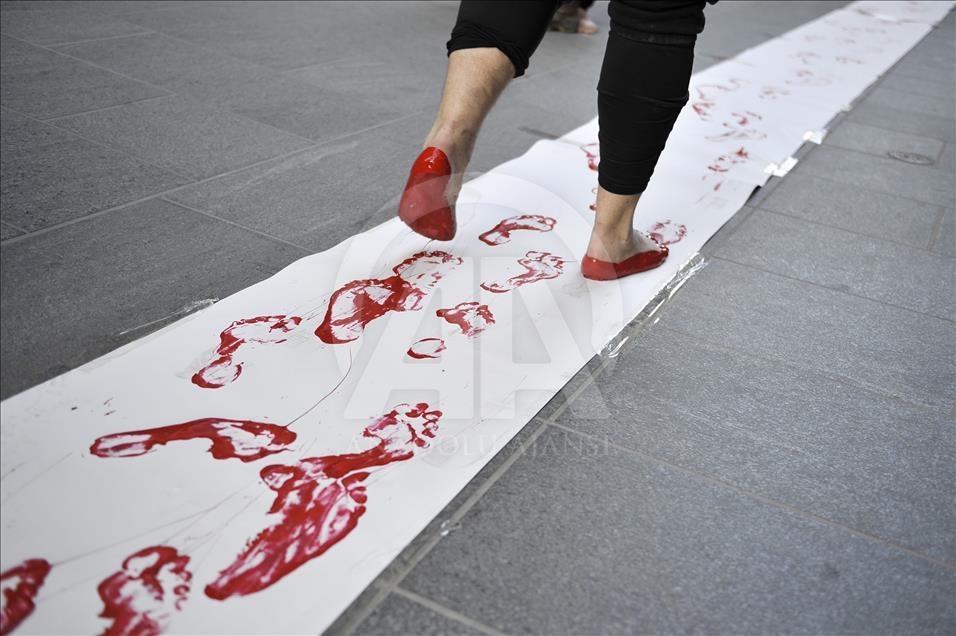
776	454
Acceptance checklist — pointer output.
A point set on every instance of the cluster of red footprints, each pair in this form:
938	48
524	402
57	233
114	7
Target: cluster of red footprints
318	500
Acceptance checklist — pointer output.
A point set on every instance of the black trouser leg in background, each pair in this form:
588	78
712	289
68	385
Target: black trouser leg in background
643	85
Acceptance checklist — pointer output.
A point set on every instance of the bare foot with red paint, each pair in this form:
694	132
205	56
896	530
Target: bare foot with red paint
616	248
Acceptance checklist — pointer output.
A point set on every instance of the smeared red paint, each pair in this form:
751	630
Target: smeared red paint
736	127
806	77
593	153
706	99
19	586
667	232
806	57
426	348
772	92
723	164
226	366
141	597
501	233
470	316
359	302
320	500
843	59
244	440
539	266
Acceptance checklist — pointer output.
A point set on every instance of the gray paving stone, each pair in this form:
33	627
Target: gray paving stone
241	87
579	538
915	68
316	198
936	53
849	455
881	116
50	175
920	86
399	615
49	23
945	242
185	136
879	141
854	208
112	274
912	102
910	356
947	159
880	269
920	183
45	84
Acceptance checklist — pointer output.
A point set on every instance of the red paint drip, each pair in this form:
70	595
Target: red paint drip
667	232
501	233
471	317
539	266
426	348
19	586
140	598
594	158
319	501
359	302
244	440
225	368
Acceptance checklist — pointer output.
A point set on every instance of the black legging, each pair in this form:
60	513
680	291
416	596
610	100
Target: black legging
643	85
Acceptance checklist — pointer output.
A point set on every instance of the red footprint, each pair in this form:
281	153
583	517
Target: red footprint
141	597
540	266
319	501
471	317
359	302
244	440
426	348
260	330
18	587
501	233
667	232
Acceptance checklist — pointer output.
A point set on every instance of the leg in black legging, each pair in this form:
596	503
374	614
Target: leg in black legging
643	86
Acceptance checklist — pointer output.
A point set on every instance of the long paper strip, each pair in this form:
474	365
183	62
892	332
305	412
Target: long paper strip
254	466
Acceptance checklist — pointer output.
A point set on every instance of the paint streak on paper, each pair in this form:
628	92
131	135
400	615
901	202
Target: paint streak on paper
471	317
501	233
151	587
19	586
239	336
538	266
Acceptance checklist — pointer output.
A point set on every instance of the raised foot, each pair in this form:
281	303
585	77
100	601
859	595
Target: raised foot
424	206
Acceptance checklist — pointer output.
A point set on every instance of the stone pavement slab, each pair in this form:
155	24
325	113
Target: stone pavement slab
580	535
51	176
158	258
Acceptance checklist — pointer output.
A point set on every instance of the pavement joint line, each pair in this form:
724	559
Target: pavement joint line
12	226
835	377
192	183
156	86
360	613
102	39
438	608
839	291
763	498
51	120
239	225
937	229
928	250
106	146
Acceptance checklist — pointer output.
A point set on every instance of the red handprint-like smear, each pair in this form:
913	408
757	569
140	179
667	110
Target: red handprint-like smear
18	588
244	440
225	368
501	233
806	77
723	164
539	266
426	348
667	232
141	597
470	316
737	128
320	500
706	101
358	303
594	158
